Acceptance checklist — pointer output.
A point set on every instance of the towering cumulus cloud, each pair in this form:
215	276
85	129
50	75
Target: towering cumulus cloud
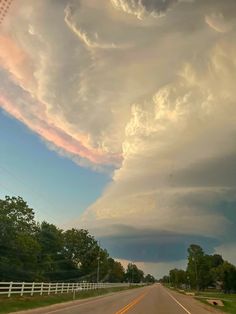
142	8
143	87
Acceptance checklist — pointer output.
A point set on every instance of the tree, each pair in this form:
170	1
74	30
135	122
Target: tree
83	251
225	274
116	272
215	260
18	244
36	252
165	279
197	267
204	270
149	278
133	274
51	261
177	277
200	265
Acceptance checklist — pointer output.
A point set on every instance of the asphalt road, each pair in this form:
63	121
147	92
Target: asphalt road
148	300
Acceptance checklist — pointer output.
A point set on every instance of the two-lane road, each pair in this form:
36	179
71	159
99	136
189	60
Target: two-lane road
148	300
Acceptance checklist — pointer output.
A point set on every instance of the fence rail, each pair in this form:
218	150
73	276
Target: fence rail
40	288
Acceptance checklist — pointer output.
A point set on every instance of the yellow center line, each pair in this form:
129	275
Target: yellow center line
131	304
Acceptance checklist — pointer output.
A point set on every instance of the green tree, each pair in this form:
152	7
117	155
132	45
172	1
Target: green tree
18	244
83	251
225	274
134	274
165	279
51	262
197	267
116	272
215	260
149	278
177	277
36	252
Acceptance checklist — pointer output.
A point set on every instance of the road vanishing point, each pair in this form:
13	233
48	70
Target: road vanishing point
154	299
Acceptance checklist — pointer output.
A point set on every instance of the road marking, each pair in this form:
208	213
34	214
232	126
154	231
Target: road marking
83	302
80	303
178	302
131	304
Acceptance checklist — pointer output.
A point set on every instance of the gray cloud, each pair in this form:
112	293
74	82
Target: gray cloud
152	97
145	245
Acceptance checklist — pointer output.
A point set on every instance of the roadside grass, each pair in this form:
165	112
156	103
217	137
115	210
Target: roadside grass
229	300
18	303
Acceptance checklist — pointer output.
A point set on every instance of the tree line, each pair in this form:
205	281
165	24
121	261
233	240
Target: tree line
203	271
32	251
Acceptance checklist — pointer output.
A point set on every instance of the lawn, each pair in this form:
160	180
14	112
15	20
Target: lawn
13	304
229	300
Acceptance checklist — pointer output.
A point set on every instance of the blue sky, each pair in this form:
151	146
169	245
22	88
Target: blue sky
56	187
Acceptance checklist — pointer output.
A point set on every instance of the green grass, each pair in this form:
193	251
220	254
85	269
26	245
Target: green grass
229	300
17	303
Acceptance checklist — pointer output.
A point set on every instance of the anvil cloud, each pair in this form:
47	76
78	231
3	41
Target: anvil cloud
143	87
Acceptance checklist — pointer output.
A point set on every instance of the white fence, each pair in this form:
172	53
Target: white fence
40	288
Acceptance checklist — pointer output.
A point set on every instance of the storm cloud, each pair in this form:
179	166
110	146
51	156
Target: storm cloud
142	89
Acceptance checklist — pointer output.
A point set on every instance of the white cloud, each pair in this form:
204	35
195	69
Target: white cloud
145	8
219	23
131	7
92	41
155	100
180	128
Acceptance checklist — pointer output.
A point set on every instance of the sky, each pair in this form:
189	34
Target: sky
53	185
120	116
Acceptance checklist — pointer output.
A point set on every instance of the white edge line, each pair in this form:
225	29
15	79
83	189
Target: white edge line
178	302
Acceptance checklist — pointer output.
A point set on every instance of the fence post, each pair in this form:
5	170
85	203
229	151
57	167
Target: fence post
32	289
10	288
68	287
49	288
62	288
56	288
41	290
22	289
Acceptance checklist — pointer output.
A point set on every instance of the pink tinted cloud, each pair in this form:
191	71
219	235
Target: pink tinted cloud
18	64
16	61
55	135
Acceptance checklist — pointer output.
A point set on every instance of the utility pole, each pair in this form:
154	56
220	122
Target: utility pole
98	266
132	276
196	273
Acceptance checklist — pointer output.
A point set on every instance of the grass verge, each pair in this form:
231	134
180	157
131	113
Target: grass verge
17	303
229	300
